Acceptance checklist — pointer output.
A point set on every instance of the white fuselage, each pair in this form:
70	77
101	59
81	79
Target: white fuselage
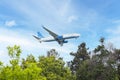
68	36
61	39
65	36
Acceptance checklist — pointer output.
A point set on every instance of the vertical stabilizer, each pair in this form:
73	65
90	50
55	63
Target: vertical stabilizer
39	35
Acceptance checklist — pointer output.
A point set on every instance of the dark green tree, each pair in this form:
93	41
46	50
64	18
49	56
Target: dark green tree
52	52
104	63
81	56
116	57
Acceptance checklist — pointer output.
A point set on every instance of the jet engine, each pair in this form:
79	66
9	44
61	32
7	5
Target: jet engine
65	41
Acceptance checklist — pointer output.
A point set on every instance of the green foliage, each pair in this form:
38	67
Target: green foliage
14	52
53	68
16	72
52	52
1	63
50	67
32	72
80	57
25	62
103	64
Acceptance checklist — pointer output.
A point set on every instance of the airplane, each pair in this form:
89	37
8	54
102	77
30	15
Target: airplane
61	39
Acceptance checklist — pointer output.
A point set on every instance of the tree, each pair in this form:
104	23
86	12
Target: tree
32	72
14	53
30	59
117	61
1	66
1	63
16	72
53	68
52	52
12	72
103	65
80	57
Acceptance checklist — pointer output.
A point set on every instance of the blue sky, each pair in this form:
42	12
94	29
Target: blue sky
92	19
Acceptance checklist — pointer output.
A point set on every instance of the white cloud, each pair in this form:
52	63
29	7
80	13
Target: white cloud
10	23
4	56
72	18
54	12
115	31
34	47
115	40
114	35
30	45
14	40
2	53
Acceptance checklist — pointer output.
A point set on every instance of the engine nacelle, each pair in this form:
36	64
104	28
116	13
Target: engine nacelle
65	42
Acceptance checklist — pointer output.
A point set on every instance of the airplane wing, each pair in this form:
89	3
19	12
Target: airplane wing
50	32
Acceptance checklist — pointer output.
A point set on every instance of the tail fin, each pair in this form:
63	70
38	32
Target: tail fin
39	35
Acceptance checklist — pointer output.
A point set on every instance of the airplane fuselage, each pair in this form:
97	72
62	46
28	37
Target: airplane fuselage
54	37
60	38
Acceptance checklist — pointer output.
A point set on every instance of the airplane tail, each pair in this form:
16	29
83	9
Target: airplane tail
39	35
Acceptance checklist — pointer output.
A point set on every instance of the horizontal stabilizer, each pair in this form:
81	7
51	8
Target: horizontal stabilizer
36	37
